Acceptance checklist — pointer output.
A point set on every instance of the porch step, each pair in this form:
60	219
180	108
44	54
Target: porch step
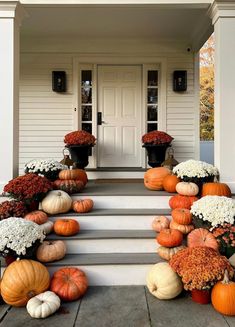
101	173
109	241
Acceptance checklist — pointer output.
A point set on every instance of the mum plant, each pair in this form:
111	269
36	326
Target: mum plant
12	209
225	236
157	138
46	167
79	138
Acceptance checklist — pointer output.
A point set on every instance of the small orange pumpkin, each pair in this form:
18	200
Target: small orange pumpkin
79	174
170	238
66	227
182	201
82	206
170	182
182	216
37	216
202	237
153	178
159	223
185	229
220	189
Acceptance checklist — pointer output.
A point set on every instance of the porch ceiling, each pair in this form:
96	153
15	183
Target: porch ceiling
184	23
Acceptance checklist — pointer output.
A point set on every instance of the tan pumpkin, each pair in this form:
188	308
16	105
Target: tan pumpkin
202	237
182	216
47	227
79	174
185	229
39	217
220	189
56	202
50	251
188	189
153	178
69	186
159	223
82	206
167	253
22	280
170	182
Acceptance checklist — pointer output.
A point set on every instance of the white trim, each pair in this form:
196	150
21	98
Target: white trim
12	9
197	105
221	9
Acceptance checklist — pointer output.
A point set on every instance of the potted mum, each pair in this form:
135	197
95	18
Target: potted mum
79	144
225	236
47	167
156	144
200	268
12	209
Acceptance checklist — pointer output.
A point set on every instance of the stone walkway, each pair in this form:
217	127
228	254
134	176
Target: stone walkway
121	306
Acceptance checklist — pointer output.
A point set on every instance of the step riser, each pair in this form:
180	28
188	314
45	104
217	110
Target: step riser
115	174
113	222
127	202
111	246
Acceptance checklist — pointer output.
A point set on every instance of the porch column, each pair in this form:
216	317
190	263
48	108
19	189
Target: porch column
11	13
223	18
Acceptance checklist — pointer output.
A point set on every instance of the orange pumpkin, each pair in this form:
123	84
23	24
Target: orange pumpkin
82	206
37	216
170	182
185	229
153	178
202	237
182	201
66	227
219	189
69	186
69	283
159	223
223	296
79	174
182	216
170	238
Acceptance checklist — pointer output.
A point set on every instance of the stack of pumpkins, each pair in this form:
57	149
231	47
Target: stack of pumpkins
71	180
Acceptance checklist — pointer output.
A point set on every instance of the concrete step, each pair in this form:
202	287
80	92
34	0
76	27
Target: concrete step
109	241
105	173
118	219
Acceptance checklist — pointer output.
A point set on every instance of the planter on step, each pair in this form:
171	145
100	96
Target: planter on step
80	155
156	153
201	296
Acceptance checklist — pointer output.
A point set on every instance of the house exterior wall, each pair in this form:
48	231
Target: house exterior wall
46	116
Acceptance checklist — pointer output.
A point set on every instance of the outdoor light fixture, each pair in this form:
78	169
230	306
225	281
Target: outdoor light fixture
180	80
59	81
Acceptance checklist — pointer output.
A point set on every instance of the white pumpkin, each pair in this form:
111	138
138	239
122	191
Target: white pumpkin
163	282
47	227
43	305
56	202
188	189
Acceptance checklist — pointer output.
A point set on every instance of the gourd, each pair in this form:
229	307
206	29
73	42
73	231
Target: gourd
153	178
39	217
182	201
47	227
170	238
185	229
69	283
189	189
34	279
163	282
43	305
170	182
82	206
69	186
56	202
66	227
223	296
182	216
50	251
202	237
79	174
159	223
167	253
220	189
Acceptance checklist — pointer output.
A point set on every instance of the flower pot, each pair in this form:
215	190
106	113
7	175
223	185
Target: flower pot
32	205
156	153
80	155
200	223
201	296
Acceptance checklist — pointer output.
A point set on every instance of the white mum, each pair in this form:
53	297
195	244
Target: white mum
195	168
215	209
40	165
18	234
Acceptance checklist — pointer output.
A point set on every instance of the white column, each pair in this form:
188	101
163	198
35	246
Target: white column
11	13
223	19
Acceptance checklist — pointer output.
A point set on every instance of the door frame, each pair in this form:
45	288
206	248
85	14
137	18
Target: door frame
93	60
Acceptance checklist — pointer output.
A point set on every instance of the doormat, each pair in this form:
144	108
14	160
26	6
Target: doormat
118	180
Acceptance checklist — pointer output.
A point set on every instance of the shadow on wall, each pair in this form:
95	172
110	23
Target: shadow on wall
207	151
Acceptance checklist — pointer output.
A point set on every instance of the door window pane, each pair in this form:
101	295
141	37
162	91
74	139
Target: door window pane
152	127
86	78
152	78
152	95
86	113
152	113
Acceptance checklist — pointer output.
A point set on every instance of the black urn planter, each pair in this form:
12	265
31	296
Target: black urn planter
80	155
156	153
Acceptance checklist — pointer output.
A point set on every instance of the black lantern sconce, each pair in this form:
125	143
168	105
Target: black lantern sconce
59	81
180	80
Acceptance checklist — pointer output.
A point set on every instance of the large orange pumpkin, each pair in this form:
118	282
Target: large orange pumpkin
219	189
223	296
182	216
170	182
170	238
185	229
82	206
202	237
66	227
69	283
39	217
182	201
22	280
74	174
153	178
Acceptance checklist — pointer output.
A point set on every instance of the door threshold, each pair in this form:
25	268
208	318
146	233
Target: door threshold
117	169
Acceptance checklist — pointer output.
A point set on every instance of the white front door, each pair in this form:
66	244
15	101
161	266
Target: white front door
119	101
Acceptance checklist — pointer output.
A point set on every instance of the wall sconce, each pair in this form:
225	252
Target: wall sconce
180	80
59	81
